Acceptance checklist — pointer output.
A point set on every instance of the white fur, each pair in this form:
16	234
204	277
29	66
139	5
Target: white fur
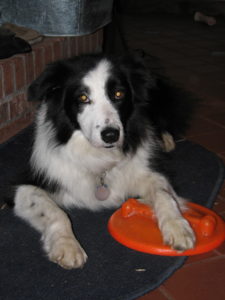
100	113
59	242
77	167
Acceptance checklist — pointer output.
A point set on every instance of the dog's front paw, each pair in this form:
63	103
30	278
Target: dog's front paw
178	234
67	252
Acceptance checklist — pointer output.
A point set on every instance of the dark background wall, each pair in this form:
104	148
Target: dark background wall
212	7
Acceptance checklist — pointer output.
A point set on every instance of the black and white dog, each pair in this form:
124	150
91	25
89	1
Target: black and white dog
100	127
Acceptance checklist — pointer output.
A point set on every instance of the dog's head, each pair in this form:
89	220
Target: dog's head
93	94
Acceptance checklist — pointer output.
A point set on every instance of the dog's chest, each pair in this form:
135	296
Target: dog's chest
107	189
96	178
86	190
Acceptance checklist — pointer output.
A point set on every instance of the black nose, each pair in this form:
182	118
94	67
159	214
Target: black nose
110	135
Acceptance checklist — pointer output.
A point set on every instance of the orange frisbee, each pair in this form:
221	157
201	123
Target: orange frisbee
135	226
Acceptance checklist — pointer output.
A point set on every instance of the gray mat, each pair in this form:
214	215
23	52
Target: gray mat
112	270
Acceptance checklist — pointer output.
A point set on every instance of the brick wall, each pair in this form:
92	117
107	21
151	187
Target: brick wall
18	71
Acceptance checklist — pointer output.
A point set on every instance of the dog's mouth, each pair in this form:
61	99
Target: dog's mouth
109	146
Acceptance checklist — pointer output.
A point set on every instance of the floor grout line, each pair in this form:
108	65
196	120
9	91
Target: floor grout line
219	253
165	292
213	122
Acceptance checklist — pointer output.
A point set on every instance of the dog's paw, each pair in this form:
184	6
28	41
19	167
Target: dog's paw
178	234
67	252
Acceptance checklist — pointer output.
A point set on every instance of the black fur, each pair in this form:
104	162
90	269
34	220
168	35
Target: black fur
155	98
151	102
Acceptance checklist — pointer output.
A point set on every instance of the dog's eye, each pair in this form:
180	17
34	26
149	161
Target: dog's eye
83	98
119	95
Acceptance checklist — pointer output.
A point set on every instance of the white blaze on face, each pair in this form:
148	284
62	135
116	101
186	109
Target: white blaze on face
99	114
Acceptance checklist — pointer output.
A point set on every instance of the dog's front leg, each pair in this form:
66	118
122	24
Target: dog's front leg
36	207
176	230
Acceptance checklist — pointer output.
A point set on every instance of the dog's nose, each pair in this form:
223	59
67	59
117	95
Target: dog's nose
110	135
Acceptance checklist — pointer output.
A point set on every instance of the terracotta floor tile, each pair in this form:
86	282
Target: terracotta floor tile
214	74
201	126
219	205
193	52
216	103
221	249
222	156
198	281
222	190
222	214
154	295
201	257
182	77
207	70
214	141
209	107
188	51
212	91
218	118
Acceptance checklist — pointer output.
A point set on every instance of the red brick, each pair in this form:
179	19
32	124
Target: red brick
1	83
8	77
93	42
66	47
85	40
19	71
32	106
81	46
48	53
4	113
99	43
17	106
96	41
57	49
73	46
29	64
89	44
14	127
38	54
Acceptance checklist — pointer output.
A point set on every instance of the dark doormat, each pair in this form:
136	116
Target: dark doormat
113	272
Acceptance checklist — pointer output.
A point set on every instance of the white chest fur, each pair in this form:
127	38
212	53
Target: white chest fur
77	167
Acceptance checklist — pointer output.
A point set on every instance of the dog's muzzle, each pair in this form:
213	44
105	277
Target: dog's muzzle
110	135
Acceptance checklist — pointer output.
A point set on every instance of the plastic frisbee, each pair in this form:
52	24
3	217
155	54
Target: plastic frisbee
134	226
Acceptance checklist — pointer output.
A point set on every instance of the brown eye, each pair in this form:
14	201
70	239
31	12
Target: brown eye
83	98
119	95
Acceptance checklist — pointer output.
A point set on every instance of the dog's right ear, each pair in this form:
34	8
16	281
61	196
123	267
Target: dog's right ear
50	80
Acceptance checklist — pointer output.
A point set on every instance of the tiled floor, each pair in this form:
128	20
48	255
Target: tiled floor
193	55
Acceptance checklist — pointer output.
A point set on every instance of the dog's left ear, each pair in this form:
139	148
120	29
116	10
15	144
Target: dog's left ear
139	75
138	70
50	80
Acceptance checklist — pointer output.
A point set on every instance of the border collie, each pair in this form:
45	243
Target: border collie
100	127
